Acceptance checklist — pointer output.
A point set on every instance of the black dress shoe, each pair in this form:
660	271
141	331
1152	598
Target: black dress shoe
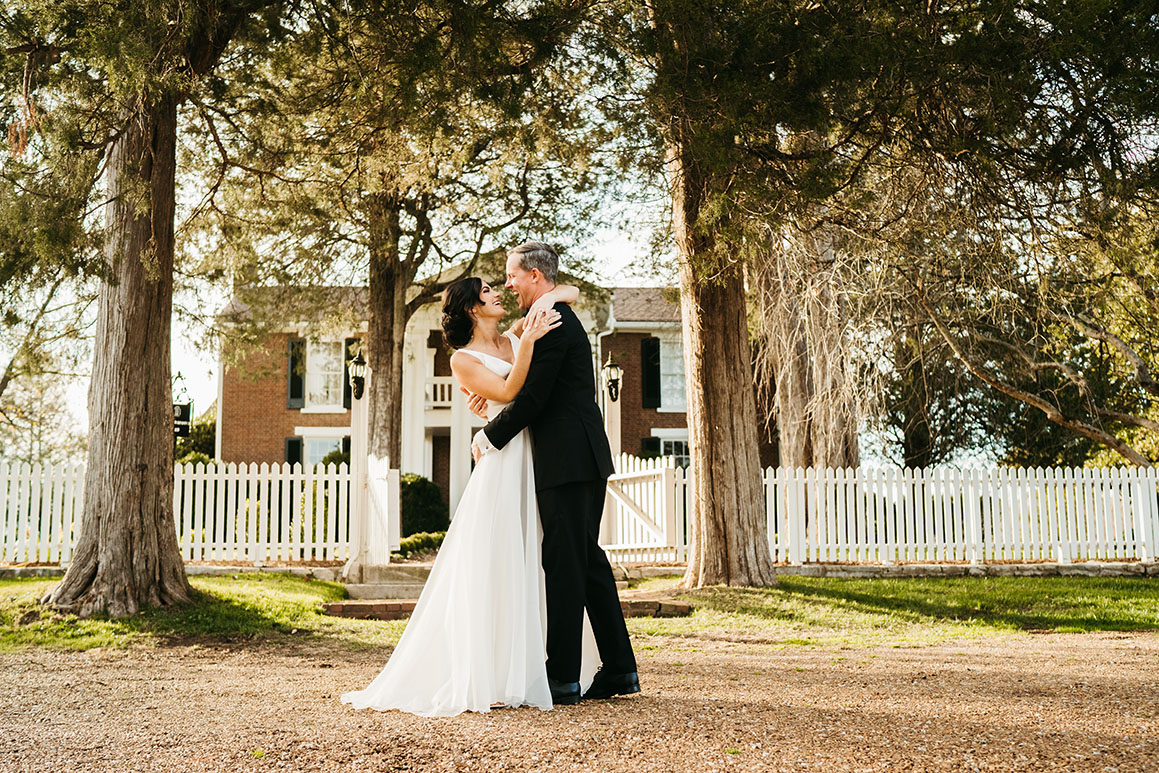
606	684
564	693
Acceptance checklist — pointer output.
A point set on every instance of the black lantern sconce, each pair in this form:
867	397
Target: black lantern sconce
612	373
358	375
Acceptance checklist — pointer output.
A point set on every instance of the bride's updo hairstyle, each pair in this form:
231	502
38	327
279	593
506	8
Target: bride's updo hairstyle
459	298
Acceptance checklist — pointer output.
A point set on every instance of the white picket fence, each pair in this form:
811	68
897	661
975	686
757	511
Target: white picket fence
39	509
258	513
262	513
244	513
890	515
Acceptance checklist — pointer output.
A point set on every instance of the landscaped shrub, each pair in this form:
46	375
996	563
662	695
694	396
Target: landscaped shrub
336	458
422	505
193	457
423	542
202	433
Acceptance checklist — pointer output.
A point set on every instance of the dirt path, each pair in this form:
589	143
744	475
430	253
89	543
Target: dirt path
1052	702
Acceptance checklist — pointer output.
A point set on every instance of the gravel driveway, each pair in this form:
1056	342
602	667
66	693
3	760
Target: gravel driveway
1028	702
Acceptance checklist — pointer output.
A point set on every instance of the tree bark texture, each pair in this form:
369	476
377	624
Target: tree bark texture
730	543
127	555
386	330
917	437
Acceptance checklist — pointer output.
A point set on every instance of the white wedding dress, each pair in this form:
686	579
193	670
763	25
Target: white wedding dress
477	635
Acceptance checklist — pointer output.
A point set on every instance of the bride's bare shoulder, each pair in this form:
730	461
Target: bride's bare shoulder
462	358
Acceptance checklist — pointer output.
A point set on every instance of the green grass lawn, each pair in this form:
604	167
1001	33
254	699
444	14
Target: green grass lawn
265	608
228	610
813	611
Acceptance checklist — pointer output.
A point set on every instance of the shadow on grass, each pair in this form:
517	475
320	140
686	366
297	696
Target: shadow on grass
1061	604
243	609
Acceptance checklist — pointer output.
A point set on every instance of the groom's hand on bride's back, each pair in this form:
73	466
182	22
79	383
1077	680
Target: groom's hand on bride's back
477	404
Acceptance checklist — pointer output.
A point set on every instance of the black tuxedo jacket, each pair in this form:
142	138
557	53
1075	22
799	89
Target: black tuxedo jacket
558	404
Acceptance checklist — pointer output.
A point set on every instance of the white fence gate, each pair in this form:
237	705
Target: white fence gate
644	518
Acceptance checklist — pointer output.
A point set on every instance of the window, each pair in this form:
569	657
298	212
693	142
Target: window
318	447
672	394
325	364
662	373
678	449
671	442
311	444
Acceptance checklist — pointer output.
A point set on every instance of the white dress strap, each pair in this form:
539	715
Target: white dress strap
481	356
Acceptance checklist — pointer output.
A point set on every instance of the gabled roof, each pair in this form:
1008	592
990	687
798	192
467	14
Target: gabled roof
645	304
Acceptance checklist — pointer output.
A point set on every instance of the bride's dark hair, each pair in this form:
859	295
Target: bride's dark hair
458	300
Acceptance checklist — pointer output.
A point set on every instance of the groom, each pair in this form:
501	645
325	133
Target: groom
572	465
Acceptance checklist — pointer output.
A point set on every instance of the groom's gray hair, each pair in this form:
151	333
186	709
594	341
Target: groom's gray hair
538	255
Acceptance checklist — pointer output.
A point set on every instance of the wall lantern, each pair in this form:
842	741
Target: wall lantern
612	373
358	375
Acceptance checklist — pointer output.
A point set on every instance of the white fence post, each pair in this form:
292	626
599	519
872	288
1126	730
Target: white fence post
1144	506
973	512
795	516
668	499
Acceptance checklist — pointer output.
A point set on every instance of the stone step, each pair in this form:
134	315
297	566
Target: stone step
395	574
399	609
385	590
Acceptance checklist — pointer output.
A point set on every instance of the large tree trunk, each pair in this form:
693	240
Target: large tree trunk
127	555
386	332
917	439
730	543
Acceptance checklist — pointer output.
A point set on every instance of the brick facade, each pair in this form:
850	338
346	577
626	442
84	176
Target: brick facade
253	416
636	421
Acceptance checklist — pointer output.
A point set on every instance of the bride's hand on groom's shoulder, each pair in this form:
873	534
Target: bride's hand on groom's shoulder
538	323
543	304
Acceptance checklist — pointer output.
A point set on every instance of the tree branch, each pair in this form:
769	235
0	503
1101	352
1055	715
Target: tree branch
1052	412
1143	374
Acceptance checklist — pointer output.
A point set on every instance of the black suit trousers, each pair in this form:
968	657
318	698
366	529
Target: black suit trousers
578	575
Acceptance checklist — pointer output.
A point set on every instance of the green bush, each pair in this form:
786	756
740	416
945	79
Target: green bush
193	457
423	542
337	457
202	434
422	506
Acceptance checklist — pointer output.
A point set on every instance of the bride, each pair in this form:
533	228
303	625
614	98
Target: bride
476	639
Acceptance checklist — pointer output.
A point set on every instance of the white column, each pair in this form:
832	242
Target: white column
608	524
414	383
612	425
460	447
359	500
220	403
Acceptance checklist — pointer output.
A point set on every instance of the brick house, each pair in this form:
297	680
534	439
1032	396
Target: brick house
290	400
643	335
